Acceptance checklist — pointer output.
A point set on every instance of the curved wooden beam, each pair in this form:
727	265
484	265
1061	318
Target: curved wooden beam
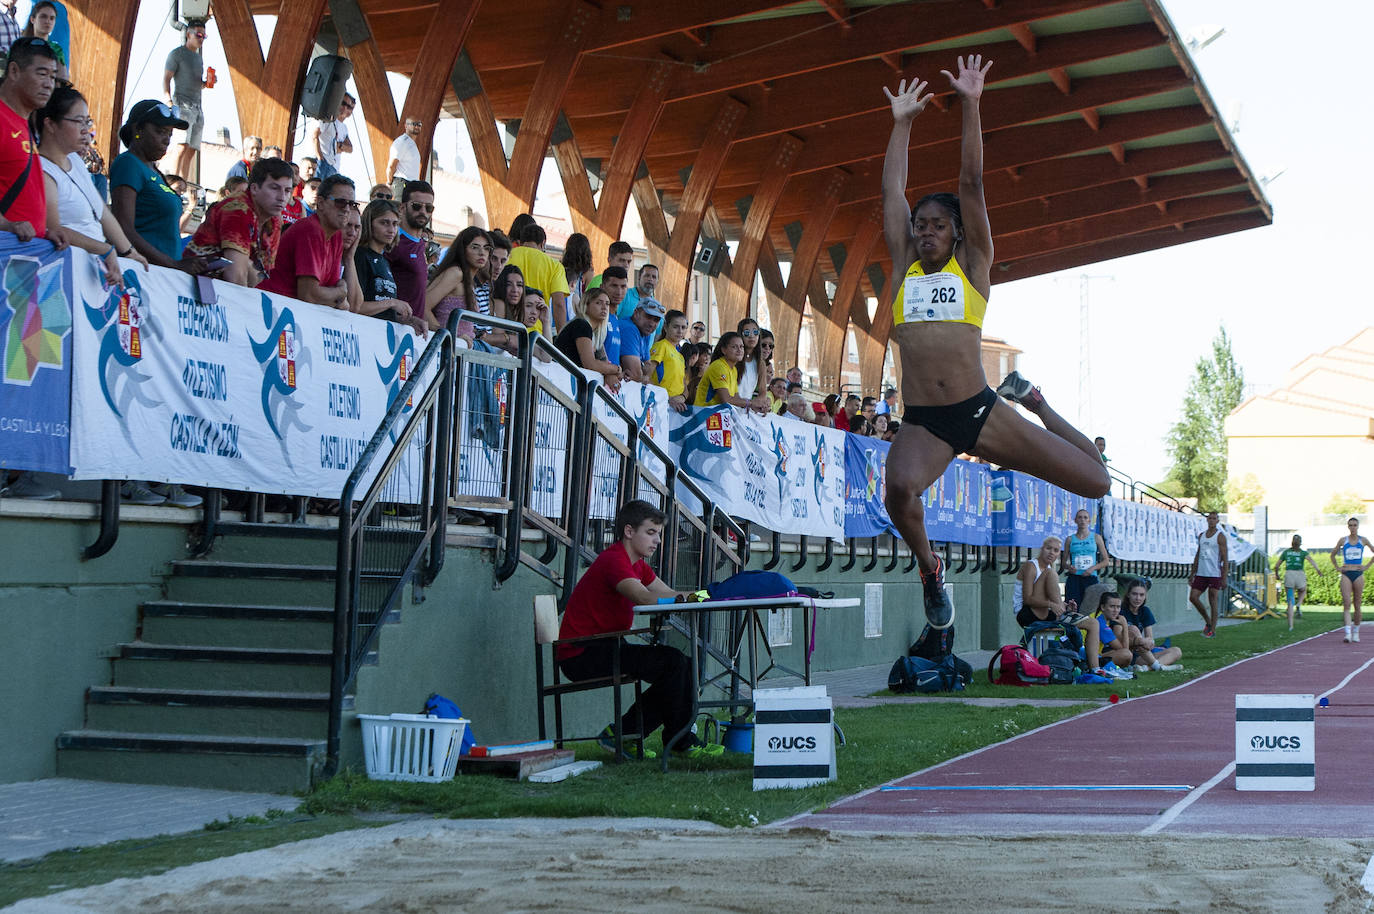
734	303
104	31
267	92
787	323
830	334
696	197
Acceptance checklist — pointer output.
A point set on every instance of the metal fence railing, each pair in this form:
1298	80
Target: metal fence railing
392	532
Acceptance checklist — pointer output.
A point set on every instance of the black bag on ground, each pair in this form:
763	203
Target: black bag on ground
919	674
1063	663
933	644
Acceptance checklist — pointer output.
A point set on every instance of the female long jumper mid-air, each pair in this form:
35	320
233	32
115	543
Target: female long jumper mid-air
941	262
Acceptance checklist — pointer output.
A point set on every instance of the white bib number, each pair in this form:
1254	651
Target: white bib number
934	297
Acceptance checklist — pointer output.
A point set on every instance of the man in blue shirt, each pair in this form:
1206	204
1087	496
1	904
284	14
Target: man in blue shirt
637	339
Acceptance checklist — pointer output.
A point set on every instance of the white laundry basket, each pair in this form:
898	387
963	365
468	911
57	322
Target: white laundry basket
411	747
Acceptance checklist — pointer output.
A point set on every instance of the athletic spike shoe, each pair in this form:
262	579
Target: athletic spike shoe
1019	390
606	740
939	609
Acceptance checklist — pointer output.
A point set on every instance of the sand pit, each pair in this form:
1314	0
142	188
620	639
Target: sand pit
668	865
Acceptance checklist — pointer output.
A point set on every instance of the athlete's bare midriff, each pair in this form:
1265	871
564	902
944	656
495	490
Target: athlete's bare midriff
941	362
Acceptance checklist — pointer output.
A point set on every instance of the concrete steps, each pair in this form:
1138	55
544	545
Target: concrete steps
226	683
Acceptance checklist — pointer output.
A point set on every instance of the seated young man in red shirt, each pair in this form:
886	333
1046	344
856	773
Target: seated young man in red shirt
245	227
604	601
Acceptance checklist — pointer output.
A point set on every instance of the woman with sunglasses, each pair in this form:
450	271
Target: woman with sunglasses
42	20
72	198
942	262
147	208
751	366
764	360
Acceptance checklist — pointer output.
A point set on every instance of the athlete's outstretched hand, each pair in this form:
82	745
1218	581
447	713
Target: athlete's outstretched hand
969	82
909	100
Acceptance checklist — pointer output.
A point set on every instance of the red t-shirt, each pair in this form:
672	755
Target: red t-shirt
16	150
842	419
303	251
596	606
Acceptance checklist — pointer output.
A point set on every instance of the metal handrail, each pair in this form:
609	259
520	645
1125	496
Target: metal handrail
433	412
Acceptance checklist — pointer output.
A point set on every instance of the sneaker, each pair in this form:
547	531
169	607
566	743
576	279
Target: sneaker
137	493
939	609
1019	390
1115	672
699	750
1171	667
25	486
1298	612
606	740
1141	668
176	495
1209	632
1355	635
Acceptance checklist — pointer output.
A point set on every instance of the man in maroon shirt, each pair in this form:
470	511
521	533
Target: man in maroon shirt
603	601
310	255
409	267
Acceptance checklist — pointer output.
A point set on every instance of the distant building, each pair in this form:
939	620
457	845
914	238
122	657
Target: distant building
1311	437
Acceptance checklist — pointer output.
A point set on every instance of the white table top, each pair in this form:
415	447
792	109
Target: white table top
752	603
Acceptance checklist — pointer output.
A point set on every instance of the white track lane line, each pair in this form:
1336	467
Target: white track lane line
1173	812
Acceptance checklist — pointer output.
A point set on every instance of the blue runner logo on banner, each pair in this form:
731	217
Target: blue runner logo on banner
281	358
36	344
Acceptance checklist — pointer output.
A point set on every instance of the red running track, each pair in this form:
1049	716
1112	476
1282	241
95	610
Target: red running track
1184	736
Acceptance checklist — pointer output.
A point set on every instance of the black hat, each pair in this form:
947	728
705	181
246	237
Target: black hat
151	111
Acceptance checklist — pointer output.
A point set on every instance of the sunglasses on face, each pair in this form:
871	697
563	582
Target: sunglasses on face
380	195
749	333
343	202
417	206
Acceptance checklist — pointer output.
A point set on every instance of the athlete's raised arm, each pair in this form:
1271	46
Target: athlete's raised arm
976	250
909	102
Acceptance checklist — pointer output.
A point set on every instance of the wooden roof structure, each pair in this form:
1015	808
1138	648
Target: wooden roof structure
765	123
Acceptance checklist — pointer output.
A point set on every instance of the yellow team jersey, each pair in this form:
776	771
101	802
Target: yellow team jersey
672	368
720	378
946	296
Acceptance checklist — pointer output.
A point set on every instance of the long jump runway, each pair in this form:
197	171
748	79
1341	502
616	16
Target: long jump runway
1159	763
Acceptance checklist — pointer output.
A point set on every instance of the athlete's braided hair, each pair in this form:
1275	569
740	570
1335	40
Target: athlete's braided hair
950	203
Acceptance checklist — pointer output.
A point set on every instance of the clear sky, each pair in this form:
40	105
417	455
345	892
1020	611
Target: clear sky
1295	81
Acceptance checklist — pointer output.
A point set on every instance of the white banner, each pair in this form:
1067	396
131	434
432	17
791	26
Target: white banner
1140	532
254	392
554	424
781	473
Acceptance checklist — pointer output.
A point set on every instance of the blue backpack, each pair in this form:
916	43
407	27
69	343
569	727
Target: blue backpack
437	705
752	585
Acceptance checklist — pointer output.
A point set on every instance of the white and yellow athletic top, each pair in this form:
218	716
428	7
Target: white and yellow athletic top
946	296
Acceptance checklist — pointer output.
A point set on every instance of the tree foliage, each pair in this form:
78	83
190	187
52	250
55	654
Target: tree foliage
1346	503
1245	493
1197	442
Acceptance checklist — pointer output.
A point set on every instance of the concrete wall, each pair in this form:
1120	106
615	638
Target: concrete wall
62	617
469	640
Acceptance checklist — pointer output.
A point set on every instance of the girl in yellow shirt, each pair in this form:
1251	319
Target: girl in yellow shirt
667	368
720	384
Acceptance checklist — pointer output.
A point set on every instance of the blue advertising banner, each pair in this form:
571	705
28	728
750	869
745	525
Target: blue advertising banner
1025	510
957	505
36	344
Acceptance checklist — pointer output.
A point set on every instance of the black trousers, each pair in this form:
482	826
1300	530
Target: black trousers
666	703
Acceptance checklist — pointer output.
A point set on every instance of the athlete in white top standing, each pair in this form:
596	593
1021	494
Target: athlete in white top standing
1209	574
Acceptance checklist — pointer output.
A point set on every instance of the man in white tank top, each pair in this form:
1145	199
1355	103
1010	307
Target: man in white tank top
1209	574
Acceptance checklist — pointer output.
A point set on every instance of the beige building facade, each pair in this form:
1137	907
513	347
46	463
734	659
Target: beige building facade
1312	437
